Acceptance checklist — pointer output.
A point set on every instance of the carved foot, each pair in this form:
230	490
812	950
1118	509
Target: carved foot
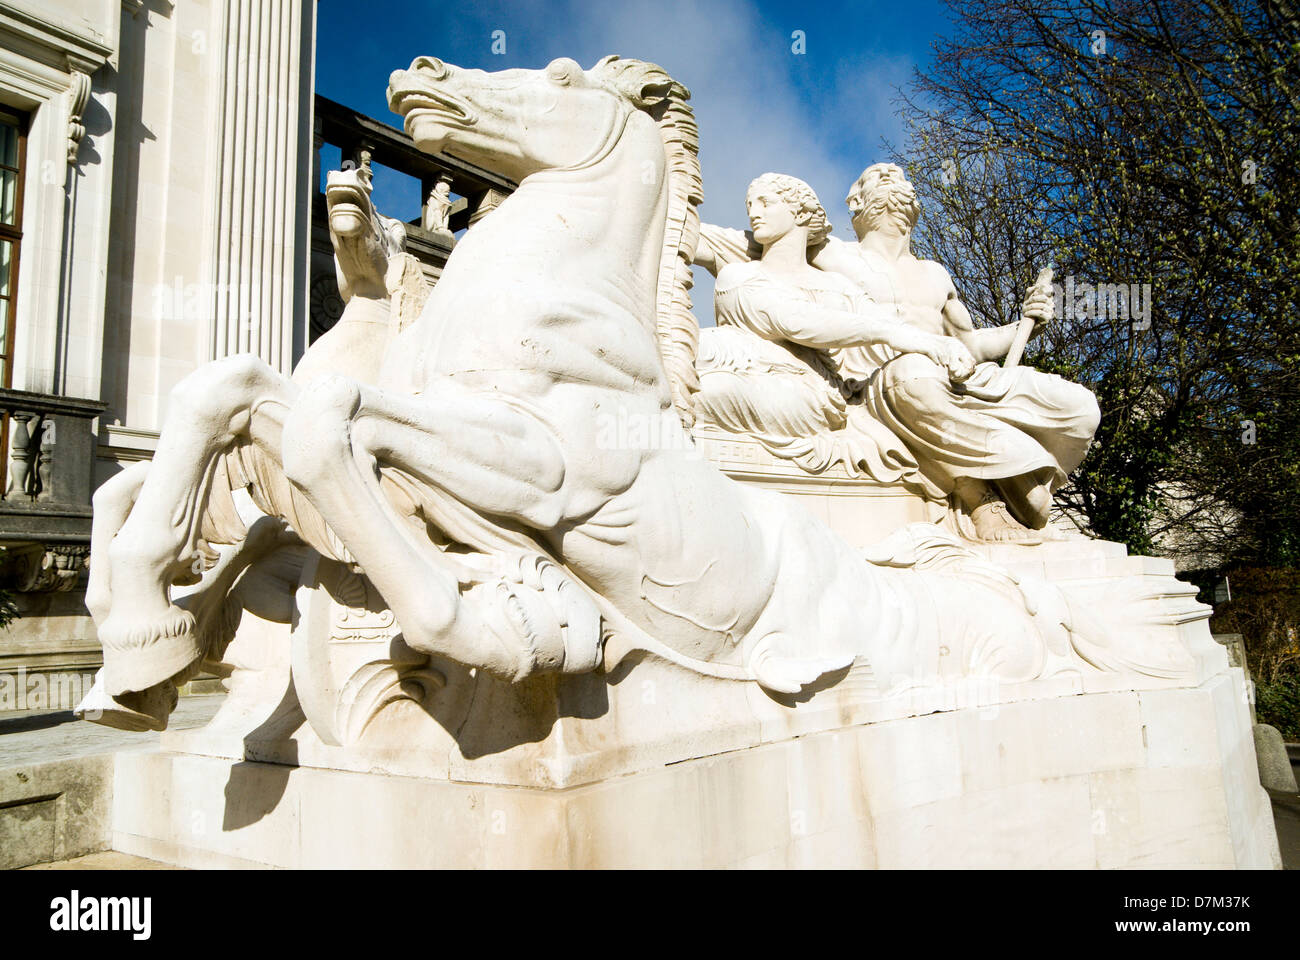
143	710
994	523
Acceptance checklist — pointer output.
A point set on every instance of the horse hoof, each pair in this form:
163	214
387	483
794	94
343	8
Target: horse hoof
143	710
140	654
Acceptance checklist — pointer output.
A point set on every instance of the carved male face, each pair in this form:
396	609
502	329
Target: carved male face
883	199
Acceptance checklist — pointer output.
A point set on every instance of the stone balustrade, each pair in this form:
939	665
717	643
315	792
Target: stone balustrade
49	467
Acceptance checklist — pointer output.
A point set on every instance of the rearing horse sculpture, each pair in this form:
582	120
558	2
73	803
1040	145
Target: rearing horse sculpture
471	486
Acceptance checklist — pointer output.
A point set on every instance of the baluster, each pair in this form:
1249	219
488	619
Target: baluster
45	464
20	453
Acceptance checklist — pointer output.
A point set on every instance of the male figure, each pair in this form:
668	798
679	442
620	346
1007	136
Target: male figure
1004	439
765	370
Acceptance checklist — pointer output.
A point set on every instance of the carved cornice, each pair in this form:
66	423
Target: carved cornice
61	45
51	403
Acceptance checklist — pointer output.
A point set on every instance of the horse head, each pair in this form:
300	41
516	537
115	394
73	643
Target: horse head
518	122
628	117
366	243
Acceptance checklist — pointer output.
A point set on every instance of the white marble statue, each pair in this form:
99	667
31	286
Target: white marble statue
765	370
467	481
1002	439
384	290
437	208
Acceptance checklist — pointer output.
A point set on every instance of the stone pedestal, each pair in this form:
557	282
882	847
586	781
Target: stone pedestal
861	510
653	766
1157	778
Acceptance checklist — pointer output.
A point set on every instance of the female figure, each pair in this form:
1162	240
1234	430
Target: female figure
765	370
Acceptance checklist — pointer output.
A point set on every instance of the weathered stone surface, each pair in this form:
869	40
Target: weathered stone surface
56	810
1275	770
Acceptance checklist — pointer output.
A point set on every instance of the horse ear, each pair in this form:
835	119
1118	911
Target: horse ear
653	94
645	84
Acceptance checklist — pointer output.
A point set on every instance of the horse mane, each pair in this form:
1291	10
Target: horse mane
650	88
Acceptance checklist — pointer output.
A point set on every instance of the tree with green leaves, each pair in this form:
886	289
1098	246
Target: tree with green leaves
1148	151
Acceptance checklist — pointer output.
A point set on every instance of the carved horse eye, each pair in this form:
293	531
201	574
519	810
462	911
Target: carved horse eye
563	70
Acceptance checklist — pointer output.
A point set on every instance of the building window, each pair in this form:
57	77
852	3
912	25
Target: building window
13	150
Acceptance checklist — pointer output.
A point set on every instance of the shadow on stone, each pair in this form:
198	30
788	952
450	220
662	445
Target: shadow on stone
254	789
39	721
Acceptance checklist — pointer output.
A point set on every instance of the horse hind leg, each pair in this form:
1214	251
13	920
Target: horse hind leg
147	639
507	624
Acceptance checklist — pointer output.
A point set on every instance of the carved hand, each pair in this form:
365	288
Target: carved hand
949	353
1038	306
952	353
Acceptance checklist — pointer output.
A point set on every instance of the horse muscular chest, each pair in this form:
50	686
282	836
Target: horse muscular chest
563	319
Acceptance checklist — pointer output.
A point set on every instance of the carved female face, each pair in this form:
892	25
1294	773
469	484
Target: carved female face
770	216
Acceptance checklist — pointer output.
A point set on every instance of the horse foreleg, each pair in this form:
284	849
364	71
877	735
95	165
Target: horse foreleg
147	639
111	505
333	441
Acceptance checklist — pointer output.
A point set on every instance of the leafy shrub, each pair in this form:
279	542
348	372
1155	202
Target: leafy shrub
1278	704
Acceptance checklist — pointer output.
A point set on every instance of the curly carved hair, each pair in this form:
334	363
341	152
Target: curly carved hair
804	200
882	191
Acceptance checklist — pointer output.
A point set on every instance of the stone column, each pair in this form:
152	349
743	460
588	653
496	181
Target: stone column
265	163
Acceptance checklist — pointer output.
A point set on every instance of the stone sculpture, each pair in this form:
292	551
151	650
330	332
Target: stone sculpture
249	562
466	483
1004	439
437	209
462	624
765	371
1001	439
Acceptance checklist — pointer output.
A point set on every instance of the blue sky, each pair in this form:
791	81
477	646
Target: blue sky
819	115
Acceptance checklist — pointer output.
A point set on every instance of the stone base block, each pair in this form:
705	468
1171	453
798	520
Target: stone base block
1156	778
55	810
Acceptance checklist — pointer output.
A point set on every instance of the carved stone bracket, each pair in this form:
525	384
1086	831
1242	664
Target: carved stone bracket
79	96
490	200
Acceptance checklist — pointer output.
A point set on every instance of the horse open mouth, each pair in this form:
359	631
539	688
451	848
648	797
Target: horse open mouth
347	198
349	207
414	103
